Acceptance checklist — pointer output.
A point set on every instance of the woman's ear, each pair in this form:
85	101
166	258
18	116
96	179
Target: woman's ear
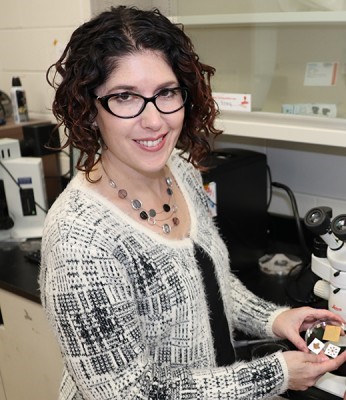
103	144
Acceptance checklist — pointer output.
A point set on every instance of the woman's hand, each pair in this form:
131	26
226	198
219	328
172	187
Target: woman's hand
305	369
290	323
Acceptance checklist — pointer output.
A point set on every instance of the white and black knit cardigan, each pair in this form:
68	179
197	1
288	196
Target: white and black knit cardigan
128	306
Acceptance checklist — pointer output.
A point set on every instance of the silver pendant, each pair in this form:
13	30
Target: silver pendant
136	204
166	228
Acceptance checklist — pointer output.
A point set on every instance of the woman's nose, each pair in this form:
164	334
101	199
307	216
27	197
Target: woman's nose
151	117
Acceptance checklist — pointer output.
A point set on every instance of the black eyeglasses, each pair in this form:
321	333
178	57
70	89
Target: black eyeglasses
130	105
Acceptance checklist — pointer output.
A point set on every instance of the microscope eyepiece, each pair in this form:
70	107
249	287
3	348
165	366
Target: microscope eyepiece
317	220
338	227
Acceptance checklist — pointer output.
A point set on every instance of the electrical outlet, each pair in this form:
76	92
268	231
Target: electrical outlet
9	148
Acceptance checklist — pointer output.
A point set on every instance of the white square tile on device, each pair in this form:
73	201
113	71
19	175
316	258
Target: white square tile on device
316	346
331	350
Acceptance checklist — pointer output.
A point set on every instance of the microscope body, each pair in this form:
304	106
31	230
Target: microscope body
329	257
328	262
332	286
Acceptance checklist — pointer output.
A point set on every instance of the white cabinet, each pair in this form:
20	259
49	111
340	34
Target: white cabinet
30	362
265	48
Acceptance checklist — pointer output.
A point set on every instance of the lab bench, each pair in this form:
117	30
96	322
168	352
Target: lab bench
28	348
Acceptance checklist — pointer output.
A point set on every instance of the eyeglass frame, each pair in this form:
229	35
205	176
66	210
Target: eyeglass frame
104	101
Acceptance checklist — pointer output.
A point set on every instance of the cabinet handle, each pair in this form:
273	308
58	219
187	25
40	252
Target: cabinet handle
1	319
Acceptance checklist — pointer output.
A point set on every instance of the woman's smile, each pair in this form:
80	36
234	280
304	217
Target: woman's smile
152	144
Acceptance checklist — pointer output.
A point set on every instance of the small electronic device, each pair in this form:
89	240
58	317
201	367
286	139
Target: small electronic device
26	197
24	191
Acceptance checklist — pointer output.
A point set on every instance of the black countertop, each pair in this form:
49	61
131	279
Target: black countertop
19	276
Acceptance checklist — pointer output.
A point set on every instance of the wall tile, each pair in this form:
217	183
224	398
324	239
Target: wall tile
43	13
33	51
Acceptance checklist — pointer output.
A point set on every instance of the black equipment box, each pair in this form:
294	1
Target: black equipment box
241	201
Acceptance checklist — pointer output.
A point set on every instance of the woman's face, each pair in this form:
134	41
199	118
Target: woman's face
142	144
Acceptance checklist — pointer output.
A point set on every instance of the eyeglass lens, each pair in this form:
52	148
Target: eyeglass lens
128	104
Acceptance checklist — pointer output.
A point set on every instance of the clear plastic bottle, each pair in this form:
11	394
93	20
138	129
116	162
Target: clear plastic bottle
19	104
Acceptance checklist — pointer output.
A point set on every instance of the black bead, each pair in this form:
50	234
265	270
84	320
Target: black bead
143	215
166	207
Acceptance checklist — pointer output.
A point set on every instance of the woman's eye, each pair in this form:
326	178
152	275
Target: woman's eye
167	93
123	96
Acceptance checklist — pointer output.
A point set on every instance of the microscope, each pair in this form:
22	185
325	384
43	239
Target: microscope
329	263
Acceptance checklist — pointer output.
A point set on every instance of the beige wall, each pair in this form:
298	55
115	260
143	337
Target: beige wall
32	34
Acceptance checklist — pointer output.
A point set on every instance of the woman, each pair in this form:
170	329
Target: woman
129	251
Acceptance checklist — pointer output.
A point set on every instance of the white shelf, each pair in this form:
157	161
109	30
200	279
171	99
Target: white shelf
282	127
276	126
275	18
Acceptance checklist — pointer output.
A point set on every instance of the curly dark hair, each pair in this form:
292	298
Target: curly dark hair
91	56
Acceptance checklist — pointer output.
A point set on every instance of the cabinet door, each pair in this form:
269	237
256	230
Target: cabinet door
30	362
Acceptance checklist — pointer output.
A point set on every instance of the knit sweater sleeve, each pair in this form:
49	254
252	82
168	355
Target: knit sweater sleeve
252	314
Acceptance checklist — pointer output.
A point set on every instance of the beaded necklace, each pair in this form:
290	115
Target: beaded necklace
151	215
